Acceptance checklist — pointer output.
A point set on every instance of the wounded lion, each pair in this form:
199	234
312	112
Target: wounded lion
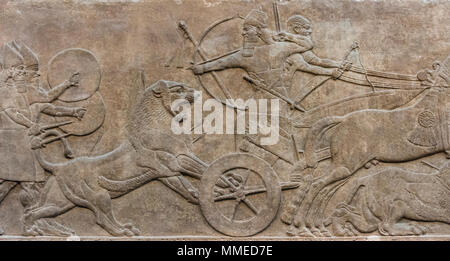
380	201
150	152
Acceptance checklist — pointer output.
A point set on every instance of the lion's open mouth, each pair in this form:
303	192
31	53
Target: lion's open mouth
191	97
177	105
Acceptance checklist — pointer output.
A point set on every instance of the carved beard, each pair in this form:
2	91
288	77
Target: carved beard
20	86
35	83
250	42
249	46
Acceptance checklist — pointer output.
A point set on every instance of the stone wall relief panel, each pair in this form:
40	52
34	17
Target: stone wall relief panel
361	151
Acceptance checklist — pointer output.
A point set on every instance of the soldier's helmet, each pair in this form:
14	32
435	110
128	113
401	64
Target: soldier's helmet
16	53
256	18
298	20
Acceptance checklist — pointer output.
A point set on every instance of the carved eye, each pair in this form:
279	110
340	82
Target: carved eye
176	89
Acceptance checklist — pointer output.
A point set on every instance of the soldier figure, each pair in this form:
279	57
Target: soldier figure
21	102
260	56
299	32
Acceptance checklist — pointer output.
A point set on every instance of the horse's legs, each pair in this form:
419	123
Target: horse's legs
338	173
320	205
313	217
288	214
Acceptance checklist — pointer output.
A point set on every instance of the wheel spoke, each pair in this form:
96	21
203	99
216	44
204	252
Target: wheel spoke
247	191
233	217
246	174
254	190
225	197
251	206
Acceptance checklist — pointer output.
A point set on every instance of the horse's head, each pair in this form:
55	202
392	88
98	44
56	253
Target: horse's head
438	76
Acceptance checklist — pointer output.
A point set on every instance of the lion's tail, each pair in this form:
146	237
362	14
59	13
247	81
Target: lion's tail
48	166
127	185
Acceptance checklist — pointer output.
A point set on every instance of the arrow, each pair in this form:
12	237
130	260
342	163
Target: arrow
261	86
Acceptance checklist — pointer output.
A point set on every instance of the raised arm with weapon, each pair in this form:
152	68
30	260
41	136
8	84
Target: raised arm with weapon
260	57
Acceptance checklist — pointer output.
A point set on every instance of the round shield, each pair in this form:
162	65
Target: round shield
92	119
68	62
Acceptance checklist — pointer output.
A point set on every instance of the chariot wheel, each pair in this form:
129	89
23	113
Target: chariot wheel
239	194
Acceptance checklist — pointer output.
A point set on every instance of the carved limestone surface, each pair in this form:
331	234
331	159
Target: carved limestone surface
270	119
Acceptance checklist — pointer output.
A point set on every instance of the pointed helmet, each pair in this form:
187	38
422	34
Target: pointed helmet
17	53
256	18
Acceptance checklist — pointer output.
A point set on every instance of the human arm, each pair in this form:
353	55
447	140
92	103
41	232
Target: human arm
54	110
231	61
311	58
19	118
297	63
305	43
43	96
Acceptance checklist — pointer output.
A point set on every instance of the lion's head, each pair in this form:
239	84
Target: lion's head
155	106
173	94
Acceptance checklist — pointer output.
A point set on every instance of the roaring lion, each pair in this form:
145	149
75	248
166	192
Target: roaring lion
151	151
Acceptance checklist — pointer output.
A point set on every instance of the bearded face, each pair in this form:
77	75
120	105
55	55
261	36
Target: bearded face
17	74
20	75
32	78
304	30
250	33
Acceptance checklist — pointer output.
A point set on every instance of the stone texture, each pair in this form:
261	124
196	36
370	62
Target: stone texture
364	140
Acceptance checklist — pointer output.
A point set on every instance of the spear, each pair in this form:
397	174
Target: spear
294	147
276	15
47	141
54	125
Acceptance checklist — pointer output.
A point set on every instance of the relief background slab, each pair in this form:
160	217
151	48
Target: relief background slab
127	37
